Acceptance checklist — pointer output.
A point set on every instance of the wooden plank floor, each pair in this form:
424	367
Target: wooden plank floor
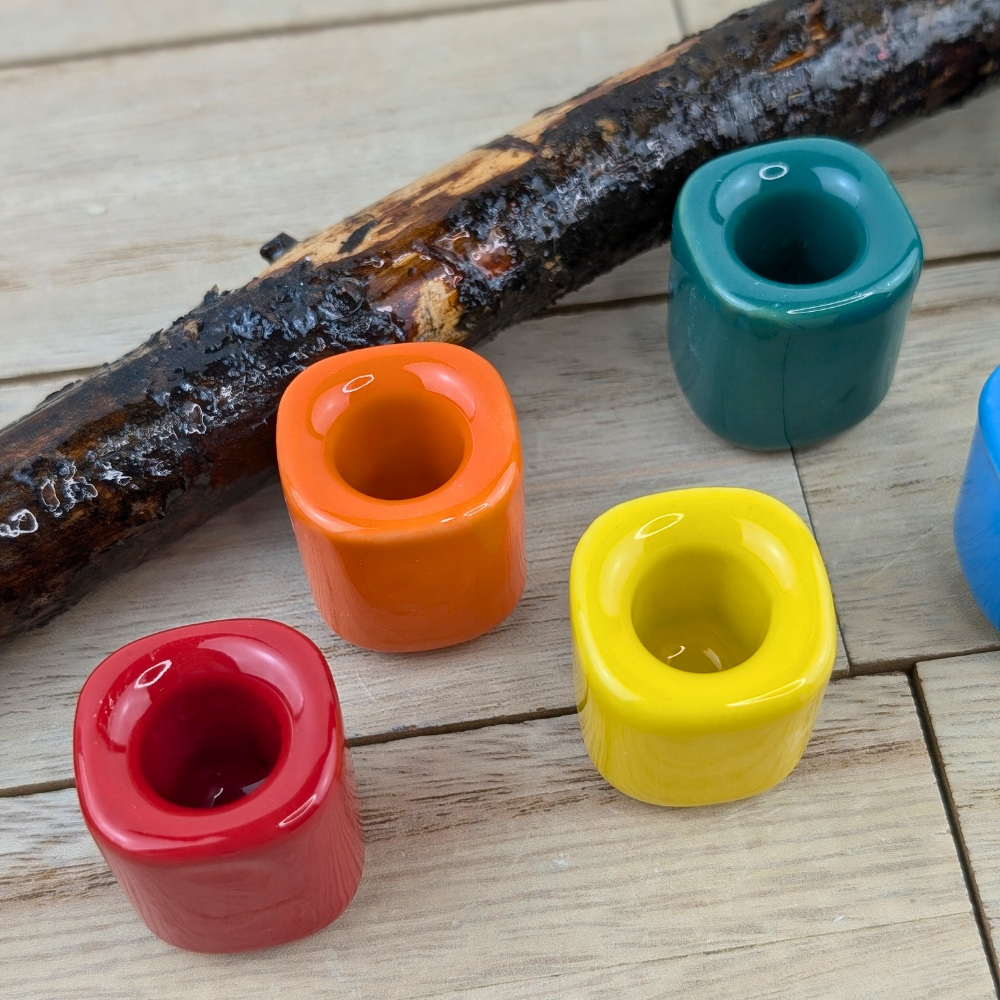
521	868
573	385
147	151
882	494
962	697
170	168
42	31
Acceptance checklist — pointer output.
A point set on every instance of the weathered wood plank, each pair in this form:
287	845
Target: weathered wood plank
963	701
36	30
602	420
882	495
500	856
167	170
947	169
195	157
923	959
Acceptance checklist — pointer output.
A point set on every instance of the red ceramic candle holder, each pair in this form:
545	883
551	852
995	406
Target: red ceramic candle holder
213	774
401	467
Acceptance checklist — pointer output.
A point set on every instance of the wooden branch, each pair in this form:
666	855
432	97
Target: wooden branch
106	471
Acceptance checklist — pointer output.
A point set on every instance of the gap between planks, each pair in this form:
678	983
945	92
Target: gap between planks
908	663
244	144
682	18
954	822
812	528
580	308
273	31
374	739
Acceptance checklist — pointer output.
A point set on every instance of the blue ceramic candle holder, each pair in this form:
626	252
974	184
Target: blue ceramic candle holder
977	513
792	268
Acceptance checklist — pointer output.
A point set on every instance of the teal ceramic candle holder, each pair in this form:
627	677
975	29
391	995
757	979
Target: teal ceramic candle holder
792	268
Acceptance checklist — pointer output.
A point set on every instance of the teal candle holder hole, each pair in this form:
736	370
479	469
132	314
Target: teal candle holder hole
796	237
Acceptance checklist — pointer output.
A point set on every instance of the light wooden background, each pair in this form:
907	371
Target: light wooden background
146	151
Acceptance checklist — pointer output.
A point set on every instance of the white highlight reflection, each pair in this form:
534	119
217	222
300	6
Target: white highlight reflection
658	524
152	674
358	383
772	172
300	812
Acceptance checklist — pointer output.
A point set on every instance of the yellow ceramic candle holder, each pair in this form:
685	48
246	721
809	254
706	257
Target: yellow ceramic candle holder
704	632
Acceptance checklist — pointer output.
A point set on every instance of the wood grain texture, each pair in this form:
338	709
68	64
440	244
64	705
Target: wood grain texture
882	494
922	959
47	30
500	857
602	420
962	695
195	157
948	171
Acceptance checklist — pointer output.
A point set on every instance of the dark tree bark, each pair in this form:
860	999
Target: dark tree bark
107	470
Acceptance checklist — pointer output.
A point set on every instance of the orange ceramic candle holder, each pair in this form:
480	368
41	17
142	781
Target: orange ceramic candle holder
401	467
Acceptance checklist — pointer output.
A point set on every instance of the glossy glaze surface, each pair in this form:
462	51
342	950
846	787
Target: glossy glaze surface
792	269
977	512
401	469
213	774
704	637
